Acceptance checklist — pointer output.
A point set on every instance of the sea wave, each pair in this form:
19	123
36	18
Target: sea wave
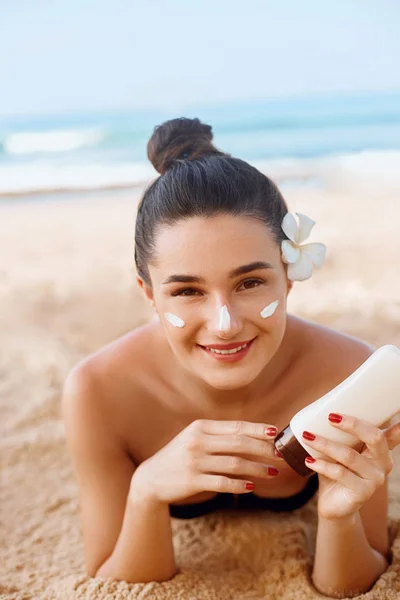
307	122
61	140
310	132
368	171
42	177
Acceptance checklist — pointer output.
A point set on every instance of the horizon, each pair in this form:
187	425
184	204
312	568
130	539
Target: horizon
318	95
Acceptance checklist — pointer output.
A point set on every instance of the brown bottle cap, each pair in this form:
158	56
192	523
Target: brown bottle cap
292	451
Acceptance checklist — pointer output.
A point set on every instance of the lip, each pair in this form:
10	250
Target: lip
229	358
226	346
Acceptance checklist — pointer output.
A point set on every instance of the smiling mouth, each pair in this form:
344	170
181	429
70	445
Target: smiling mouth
227	348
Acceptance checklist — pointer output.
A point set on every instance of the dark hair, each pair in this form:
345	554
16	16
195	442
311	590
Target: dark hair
198	180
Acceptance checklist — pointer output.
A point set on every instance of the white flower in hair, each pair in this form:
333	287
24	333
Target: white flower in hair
300	258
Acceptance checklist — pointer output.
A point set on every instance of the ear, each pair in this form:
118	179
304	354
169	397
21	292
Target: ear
148	291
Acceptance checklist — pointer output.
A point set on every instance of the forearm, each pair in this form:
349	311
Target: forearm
144	550
345	564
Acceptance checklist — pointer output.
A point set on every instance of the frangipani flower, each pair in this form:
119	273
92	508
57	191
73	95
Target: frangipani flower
300	258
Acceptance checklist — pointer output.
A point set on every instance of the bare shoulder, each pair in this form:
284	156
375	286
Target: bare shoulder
125	378
335	354
84	407
109	392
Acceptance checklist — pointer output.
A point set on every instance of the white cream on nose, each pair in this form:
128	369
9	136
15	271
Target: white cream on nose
174	320
224	319
269	310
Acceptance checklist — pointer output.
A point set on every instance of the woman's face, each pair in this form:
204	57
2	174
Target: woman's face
193	278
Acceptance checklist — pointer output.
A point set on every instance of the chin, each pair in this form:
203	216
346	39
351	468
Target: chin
229	381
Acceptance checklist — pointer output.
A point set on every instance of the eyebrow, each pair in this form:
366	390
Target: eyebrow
235	273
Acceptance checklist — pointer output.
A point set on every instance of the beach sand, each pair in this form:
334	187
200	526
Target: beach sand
67	287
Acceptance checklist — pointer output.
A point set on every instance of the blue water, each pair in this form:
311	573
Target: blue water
95	150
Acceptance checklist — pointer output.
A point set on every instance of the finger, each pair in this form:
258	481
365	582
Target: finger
261	431
350	458
392	435
235	465
363	488
373	437
239	444
226	485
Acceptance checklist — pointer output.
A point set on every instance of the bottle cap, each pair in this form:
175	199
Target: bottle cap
292	451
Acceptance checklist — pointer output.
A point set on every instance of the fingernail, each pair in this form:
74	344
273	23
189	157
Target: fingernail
278	454
272	471
271	431
310	460
334	418
308	436
250	486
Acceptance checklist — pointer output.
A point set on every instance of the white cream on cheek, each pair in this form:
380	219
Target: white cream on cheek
174	320
269	310
224	316
224	319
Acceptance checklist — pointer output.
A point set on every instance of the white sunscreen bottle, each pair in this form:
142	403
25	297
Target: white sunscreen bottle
371	393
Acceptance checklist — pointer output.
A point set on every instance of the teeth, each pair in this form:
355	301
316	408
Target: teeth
233	351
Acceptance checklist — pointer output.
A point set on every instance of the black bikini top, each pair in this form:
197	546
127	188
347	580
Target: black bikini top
247	501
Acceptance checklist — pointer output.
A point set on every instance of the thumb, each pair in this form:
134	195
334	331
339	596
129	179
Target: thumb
392	435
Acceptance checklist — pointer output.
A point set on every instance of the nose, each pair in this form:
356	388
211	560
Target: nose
224	322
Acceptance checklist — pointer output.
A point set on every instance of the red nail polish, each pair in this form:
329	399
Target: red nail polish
271	431
310	460
334	418
308	436
272	471
278	454
250	486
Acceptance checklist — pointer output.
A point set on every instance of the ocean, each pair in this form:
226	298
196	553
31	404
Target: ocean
303	140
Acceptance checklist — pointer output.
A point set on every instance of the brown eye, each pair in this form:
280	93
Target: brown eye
252	283
185	292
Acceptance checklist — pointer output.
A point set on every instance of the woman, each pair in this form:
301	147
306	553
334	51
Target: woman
178	417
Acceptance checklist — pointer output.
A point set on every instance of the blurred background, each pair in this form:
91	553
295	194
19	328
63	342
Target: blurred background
302	89
309	92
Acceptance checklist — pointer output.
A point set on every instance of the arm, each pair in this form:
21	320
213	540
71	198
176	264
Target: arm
144	550
345	564
125	536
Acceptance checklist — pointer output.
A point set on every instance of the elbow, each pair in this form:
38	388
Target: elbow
105	570
97	568
333	592
351	591
337	592
128	579
92	571
100	571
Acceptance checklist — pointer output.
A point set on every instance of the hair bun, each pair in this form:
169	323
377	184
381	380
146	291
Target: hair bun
178	137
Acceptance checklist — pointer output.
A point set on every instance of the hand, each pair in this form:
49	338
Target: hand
345	485
207	456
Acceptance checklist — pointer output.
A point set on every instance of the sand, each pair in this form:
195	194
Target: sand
67	287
